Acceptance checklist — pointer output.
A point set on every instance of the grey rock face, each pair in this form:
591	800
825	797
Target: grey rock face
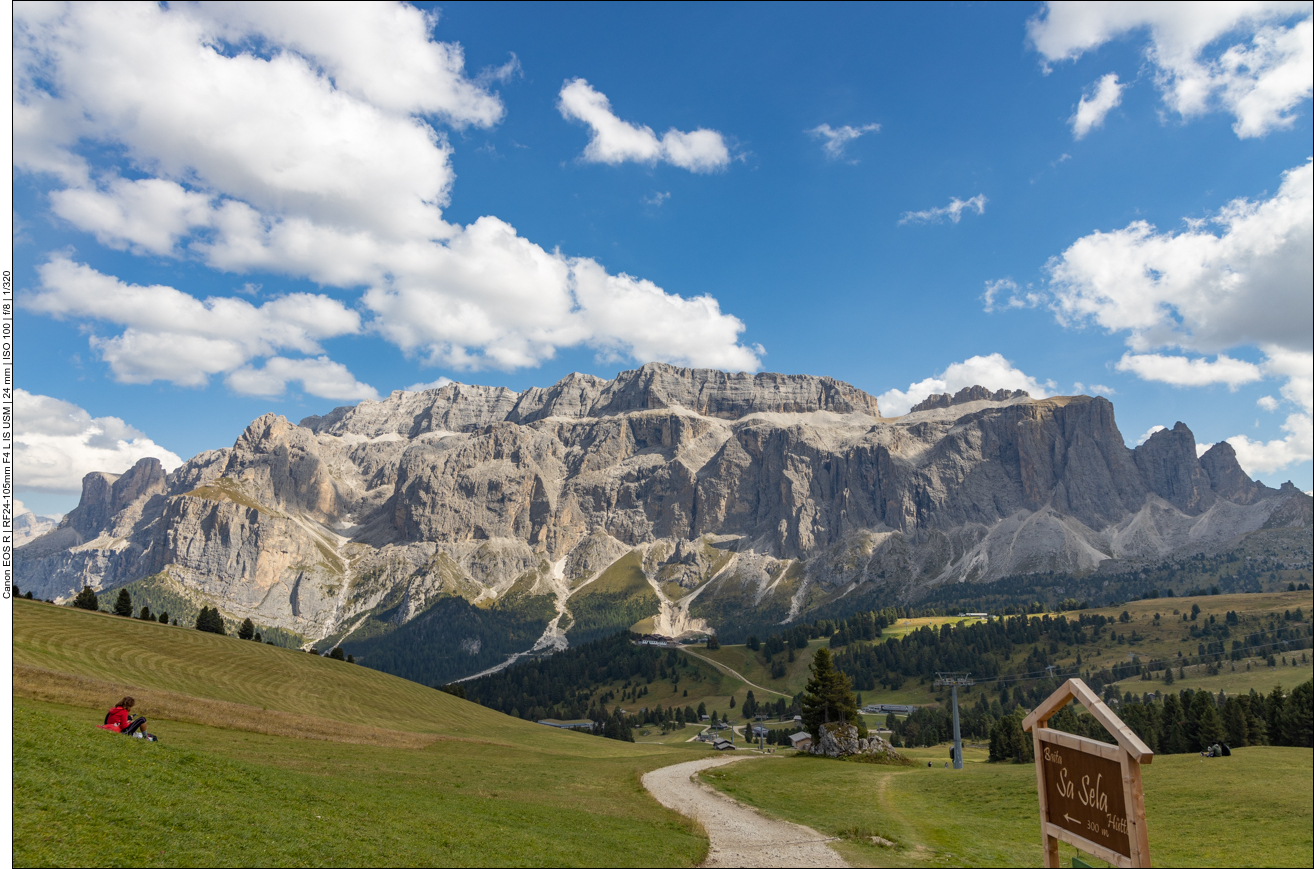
1226	477
1166	462
842	740
968	394
747	497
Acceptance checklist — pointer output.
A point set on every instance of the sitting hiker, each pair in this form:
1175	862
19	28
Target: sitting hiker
120	720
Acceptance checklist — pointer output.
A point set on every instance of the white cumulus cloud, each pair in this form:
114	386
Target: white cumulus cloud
616	141
834	139
1247	283
171	335
1182	371
1094	106
1241	278
993	372
1265	457
56	443
320	376
952	212
1252	60
303	141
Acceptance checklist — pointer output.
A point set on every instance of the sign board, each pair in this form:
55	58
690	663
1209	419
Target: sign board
1089	791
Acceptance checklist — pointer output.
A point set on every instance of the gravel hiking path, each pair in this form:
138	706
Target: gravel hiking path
739	836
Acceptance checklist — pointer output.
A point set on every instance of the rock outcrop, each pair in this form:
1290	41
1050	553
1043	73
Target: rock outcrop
842	740
743	499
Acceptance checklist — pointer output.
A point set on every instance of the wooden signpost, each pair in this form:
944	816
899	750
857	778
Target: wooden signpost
1090	791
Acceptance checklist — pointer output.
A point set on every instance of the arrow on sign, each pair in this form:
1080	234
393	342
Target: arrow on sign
1069	819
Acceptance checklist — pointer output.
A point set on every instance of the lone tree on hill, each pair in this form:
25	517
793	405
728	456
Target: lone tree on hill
829	698
337	654
162	618
712	643
86	599
246	631
210	621
146	614
123	606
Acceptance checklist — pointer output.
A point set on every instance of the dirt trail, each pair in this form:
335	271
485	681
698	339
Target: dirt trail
739	835
735	673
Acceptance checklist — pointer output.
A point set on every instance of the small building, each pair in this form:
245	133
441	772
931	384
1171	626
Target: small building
759	731
576	724
723	744
801	741
886	708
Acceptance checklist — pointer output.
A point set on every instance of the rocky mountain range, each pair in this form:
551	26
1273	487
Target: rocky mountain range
477	522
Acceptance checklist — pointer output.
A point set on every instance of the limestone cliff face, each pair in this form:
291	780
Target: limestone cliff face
743	497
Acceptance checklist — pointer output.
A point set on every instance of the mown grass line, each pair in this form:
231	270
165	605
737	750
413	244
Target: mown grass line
33	683
453	783
212	797
186	661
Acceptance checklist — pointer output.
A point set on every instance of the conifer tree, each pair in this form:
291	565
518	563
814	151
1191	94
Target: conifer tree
1209	727
145	615
246	630
123	605
86	599
337	654
163	618
210	621
829	697
1234	722
1298	717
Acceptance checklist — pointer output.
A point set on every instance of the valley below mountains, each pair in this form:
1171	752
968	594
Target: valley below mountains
437	534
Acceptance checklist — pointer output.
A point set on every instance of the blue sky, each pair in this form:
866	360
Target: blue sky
374	210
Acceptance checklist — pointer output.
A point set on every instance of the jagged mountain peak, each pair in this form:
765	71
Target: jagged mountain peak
968	394
458	407
676	495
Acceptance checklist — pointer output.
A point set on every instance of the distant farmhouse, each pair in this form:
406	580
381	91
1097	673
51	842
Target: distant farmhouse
801	741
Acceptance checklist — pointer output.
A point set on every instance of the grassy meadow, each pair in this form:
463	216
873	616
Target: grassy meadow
274	757
1251	809
271	756
1163	640
715	686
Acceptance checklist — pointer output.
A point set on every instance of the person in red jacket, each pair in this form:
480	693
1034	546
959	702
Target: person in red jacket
120	720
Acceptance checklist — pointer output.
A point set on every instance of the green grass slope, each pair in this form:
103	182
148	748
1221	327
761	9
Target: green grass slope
1251	809
613	602
481	788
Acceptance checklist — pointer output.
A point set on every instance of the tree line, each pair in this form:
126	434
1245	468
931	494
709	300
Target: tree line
208	620
563	685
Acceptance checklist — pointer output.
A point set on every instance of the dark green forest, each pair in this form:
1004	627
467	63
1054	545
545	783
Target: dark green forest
1168	722
452	639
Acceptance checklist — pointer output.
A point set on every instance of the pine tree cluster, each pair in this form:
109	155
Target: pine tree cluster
209	620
